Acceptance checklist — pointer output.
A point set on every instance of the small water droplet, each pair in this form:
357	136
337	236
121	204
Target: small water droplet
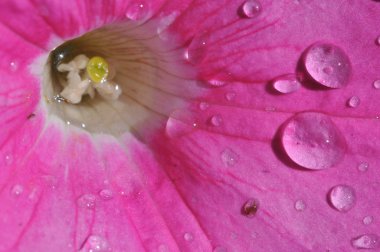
95	243
367	220
328	65
17	190
300	205
376	84
216	120
353	102
204	106
230	96
366	241
250	208
219	249
378	41
137	11
363	166
68	122
106	194
163	248
216	82
229	158
313	141
342	197
286	84
188	237
251	9
8	159
13	66
87	201
83	125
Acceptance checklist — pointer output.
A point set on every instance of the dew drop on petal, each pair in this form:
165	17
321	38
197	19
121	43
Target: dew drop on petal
229	157
313	141
353	102
176	127
251	8
87	201
250	207
328	65
286	84
216	120
8	159
188	237
163	248
17	190
219	249
230	96
137	11
300	205
363	166
13	66
204	106
367	220
378	40
95	243
342	197
106	194
216	82
366	241
376	84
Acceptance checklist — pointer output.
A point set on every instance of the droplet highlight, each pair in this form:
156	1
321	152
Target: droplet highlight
367	220
342	197
229	157
363	166
286	84
353	102
300	205
366	241
250	208
17	190
137	11
216	120
328	65
250	9
313	141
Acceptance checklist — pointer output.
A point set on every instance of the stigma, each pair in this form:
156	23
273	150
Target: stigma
88	77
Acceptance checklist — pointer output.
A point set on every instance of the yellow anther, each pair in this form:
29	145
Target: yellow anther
97	69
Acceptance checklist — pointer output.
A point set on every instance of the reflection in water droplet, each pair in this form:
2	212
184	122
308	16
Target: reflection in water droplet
17	190
366	241
87	201
95	243
229	158
376	84
363	166
299	205
188	237
313	141
250	208
216	120
328	65
106	194
367	220
230	96
353	102
342	197
203	106
286	84
251	8
137	11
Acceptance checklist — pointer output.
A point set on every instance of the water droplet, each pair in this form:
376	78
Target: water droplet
300	205
353	102
229	158
163	248
204	106
230	96
137	11
363	166
17	190
68	122
250	208
188	237
178	126
328	65
87	201
8	159
219	249
366	241
216	120
378	40
367	220
13	66
106	194
251	9
95	243
286	84
313	141
342	197
216	82
376	84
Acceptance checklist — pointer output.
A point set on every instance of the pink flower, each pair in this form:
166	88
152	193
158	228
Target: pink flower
230	183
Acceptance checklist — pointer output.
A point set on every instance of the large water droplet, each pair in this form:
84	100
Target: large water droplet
87	201
376	84
250	208
95	243
300	205
353	102
286	84
179	125
342	197
188	237
106	194
137	11
328	65
366	241
251	9
216	120
367	220
313	141
363	166
229	157
17	190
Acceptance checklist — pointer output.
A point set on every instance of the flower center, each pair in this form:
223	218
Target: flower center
118	78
